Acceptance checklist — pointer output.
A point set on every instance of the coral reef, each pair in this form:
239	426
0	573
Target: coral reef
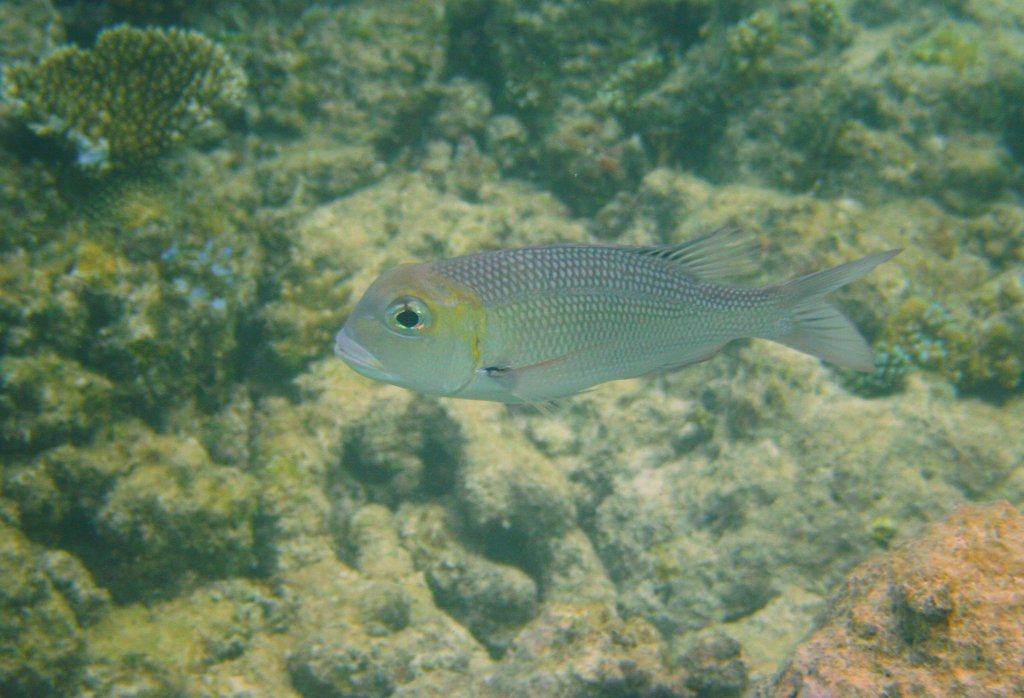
47	400
142	512
892	364
547	49
978	346
197	499
143	312
580	650
491	599
44	599
362	72
939	616
713	667
126	100
463	110
784	93
338	653
29	28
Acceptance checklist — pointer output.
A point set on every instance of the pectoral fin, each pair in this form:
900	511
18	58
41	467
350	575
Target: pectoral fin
534	384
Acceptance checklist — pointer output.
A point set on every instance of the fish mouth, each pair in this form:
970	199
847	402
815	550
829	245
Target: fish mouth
356	356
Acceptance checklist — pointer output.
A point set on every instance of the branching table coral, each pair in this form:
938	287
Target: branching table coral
127	100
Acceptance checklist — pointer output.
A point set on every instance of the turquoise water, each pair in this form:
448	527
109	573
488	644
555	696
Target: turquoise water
198	499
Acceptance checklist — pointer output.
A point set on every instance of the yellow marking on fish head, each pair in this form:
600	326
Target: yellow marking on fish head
456	308
422	330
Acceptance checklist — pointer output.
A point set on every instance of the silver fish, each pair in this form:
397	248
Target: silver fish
537	323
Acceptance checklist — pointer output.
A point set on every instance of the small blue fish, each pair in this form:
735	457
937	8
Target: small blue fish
532	324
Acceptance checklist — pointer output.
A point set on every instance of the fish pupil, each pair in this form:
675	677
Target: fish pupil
408	318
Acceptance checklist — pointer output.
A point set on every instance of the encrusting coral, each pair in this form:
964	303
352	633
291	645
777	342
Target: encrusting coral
128	99
938	617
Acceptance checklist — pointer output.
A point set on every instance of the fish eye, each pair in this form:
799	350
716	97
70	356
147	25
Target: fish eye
408	318
408	315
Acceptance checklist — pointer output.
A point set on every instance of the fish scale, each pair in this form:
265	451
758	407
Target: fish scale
572	297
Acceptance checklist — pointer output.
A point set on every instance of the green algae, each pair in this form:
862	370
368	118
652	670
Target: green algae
46	401
947	46
883	530
151	647
146	292
360	72
42	647
144	513
751	43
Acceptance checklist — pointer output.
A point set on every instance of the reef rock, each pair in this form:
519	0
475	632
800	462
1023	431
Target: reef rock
940	616
577	651
42	648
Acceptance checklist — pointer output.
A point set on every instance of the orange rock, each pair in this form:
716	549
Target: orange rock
943	615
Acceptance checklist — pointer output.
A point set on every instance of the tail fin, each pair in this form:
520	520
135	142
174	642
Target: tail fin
818	328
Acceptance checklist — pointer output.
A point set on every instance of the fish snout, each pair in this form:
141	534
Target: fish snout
354	353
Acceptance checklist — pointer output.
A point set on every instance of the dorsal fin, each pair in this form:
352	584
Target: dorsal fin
722	253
